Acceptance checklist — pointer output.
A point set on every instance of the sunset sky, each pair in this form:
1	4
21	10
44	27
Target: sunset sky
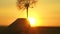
46	12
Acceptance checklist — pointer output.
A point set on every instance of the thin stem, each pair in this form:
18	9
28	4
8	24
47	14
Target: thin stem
27	12
27	6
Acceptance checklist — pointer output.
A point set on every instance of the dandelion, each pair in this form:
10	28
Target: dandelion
25	4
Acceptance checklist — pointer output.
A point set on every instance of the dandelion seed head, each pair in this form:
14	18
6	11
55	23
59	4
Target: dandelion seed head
21	4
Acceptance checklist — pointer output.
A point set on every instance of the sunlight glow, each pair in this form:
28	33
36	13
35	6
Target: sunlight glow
32	22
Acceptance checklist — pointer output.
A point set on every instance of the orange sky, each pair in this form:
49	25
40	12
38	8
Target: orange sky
46	12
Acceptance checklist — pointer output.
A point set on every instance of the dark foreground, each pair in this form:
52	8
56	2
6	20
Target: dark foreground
21	26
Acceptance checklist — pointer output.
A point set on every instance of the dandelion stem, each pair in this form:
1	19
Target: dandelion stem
27	6
27	12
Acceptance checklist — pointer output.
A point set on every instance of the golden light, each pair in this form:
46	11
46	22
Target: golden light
32	21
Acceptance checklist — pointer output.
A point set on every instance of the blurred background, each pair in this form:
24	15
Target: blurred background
45	12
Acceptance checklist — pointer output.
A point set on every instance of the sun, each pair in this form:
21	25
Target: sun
32	22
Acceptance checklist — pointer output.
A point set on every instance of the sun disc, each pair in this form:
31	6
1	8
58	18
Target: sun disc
32	21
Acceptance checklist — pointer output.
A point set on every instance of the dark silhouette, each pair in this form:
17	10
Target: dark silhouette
2	28
22	4
21	26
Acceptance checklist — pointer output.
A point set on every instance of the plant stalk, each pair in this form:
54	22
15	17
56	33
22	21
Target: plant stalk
27	12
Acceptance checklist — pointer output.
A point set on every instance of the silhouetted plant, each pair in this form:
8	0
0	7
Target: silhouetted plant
25	4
